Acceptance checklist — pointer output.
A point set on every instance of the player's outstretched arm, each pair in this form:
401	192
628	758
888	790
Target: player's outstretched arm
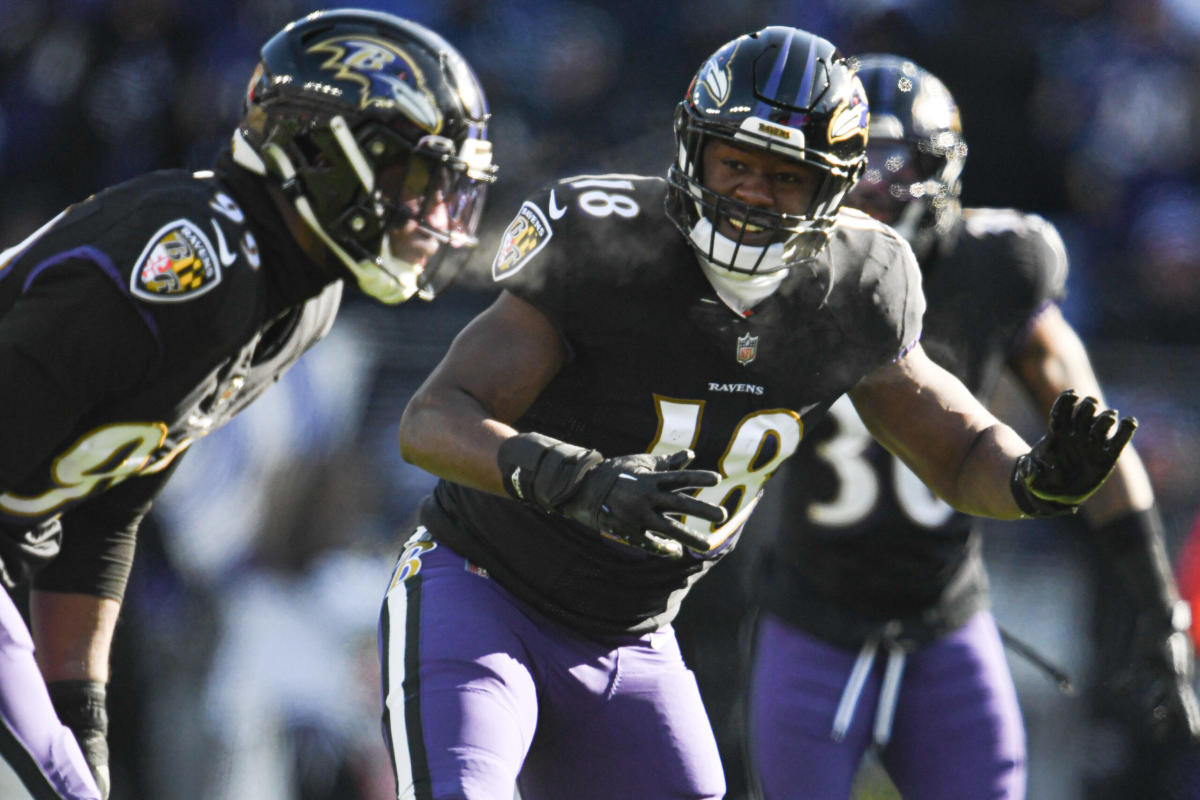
979	465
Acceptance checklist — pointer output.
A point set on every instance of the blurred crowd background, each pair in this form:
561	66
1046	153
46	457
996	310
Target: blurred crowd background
245	664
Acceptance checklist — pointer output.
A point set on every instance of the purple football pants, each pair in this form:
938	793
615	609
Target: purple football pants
482	694
41	750
956	731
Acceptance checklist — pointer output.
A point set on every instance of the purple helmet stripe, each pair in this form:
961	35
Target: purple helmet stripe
765	110
806	85
762	109
777	70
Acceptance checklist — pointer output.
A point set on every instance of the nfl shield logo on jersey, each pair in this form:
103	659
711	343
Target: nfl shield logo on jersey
747	349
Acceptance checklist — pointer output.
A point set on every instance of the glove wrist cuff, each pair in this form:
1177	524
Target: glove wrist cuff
81	705
542	470
1030	504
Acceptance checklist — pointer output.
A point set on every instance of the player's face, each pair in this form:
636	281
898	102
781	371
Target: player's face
890	182
409	184
760	180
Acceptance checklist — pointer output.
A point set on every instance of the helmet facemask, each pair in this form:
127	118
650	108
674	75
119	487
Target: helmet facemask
401	217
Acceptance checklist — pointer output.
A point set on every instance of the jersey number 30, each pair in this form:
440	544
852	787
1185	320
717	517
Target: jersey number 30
858	482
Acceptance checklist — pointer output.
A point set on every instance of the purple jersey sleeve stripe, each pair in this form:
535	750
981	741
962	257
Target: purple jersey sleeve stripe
908	347
101	260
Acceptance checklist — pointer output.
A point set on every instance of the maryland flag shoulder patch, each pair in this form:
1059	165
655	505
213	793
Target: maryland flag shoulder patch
179	263
524	237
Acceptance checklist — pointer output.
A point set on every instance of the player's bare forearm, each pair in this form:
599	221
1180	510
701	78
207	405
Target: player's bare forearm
983	478
73	633
450	435
494	370
1052	359
1127	489
972	472
927	418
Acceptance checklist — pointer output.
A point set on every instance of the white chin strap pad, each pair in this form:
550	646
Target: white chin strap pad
392	280
723	250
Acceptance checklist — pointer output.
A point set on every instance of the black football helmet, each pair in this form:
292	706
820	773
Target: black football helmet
376	128
916	152
784	91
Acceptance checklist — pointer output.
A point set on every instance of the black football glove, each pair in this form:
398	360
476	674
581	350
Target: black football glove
1072	460
81	706
626	498
1157	684
629	497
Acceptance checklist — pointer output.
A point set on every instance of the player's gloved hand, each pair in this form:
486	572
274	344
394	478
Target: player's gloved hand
1072	460
627	497
1157	684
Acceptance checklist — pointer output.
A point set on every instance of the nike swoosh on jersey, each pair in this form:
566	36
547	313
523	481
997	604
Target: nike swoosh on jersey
226	255
556	211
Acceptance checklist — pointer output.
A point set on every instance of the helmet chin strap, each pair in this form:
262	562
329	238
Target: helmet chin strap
376	277
245	156
399	274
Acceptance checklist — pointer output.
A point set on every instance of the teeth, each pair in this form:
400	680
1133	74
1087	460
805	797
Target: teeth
746	226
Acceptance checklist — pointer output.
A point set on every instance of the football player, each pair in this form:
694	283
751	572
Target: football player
605	428
875	628
149	314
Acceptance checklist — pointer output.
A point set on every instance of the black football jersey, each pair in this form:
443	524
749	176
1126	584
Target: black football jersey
134	323
862	540
658	363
